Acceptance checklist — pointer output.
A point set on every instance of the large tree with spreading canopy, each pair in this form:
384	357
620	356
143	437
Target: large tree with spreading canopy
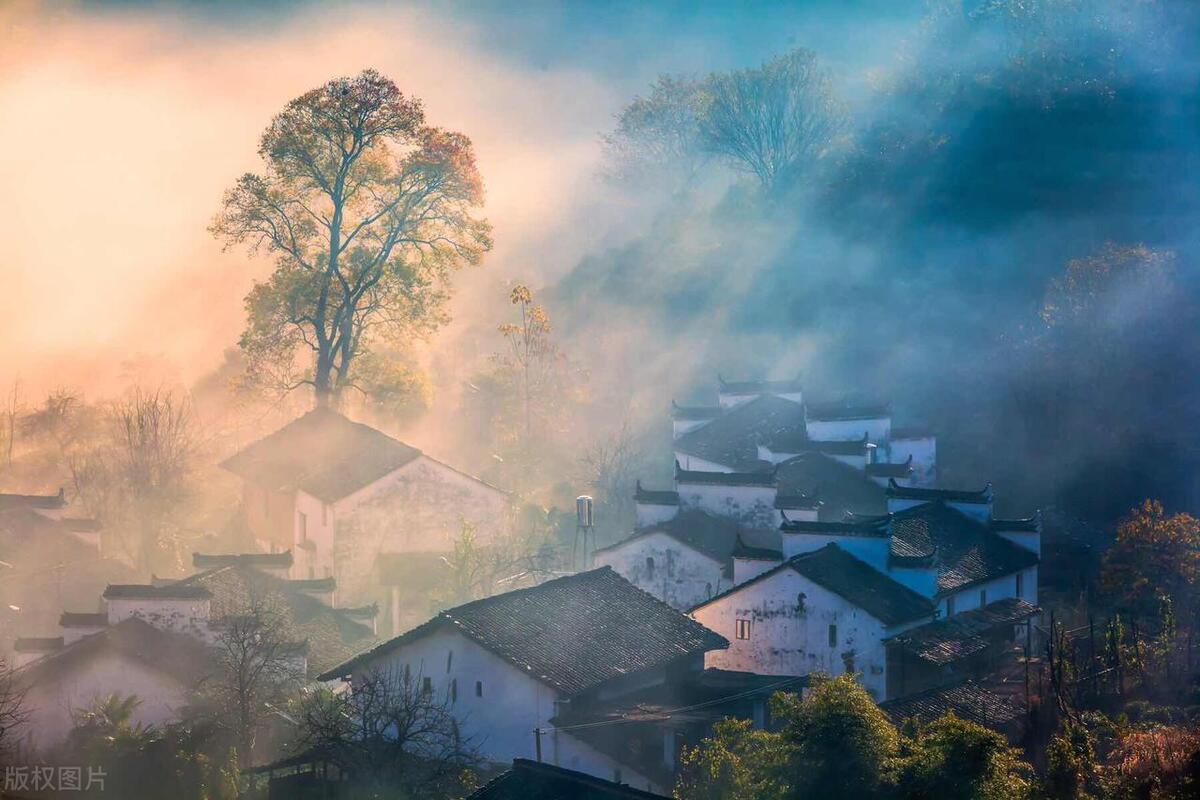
367	210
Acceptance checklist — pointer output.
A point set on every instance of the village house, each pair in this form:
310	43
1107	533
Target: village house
54	553
528	780
341	495
153	641
522	661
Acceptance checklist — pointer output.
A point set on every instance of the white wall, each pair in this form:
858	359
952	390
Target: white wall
785	641
697	464
315	561
746	568
682	576
1029	540
753	506
878	429
871	549
997	589
184	616
416	509
499	724
924	457
648	514
50	702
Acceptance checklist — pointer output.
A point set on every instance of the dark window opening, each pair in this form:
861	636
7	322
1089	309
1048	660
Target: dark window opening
833	635
449	660
650	567
479	688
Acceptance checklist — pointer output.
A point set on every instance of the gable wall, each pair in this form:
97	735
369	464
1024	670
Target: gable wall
924	458
878	429
51	702
500	724
786	641
682	576
753	506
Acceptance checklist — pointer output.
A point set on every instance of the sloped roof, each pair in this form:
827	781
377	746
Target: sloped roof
711	535
532	780
723	478
144	591
267	560
963	549
78	619
786	386
659	497
841	487
732	438
797	441
571	633
968	701
43	501
882	469
857	582
925	495
332	634
843	410
322	453
945	641
180	656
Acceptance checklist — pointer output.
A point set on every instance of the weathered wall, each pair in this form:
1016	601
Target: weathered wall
878	429
664	567
787	639
417	509
648	514
499	724
998	589
52	701
753	506
185	616
924	457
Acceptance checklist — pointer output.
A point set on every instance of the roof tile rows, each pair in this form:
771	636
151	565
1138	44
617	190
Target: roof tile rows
955	638
571	633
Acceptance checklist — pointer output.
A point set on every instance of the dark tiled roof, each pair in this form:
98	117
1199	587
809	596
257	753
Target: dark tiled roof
531	780
834	569
1028	525
333	635
869	526
694	413
269	560
797	441
759	386
980	496
945	641
885	470
790	501
322	453
723	478
570	633
911	432
657	497
961	547
732	438
714	536
830	412
75	619
169	591
313	584
841	487
44	501
37	644
968	701
743	550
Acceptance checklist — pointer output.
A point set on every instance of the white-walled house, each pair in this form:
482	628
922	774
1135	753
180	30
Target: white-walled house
339	494
515	662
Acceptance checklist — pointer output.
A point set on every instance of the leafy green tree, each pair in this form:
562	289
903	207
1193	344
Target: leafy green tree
735	763
955	759
367	209
840	742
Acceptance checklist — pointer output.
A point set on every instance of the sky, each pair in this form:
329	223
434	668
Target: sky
124	122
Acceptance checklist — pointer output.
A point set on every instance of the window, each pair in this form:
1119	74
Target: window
1020	585
800	607
982	598
708	589
427	686
833	635
449	660
301	526
454	690
479	688
650	567
742	629
949	606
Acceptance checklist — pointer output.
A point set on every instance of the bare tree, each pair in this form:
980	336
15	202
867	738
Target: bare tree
659	133
13	714
12	410
389	731
152	459
367	210
775	121
609	468
258	666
